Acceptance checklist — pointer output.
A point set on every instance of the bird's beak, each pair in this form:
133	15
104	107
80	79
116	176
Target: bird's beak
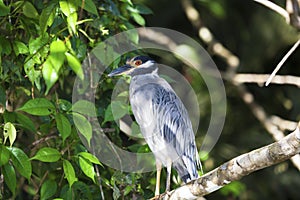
120	70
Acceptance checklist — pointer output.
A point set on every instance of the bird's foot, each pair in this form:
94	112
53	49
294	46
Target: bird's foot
156	197
162	196
168	193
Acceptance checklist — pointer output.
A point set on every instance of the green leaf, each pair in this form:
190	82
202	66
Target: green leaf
67	7
9	131
63	126
64	105
141	9
20	48
133	34
72	20
31	72
5	47
128	189
135	130
25	122
90	157
47	154
217	9
85	107
35	44
9	116
38	106
4	155
108	116
138	19
47	17
49	74
48	189
57	54
69	172
29	10
128	2
90	7
10	178
75	65
58	46
83	126
87	168
235	188
115	110
21	162
116	192
2	96
4	10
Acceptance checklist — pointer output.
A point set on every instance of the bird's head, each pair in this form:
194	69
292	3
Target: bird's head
138	65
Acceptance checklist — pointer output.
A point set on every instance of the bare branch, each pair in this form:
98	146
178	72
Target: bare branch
292	7
276	8
270	123
206	36
260	79
241	166
283	124
286	56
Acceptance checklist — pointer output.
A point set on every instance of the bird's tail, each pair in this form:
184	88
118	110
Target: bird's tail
187	169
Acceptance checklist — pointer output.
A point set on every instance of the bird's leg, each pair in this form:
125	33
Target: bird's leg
158	172
168	184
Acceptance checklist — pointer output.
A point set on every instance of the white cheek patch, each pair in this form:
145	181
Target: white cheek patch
146	64
129	71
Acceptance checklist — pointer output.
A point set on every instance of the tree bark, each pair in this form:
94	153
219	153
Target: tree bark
239	167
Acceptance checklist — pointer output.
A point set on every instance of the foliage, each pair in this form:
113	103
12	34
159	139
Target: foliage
42	46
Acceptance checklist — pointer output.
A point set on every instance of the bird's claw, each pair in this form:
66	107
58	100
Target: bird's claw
162	196
156	197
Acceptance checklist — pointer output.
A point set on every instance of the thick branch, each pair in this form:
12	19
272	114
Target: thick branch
239	167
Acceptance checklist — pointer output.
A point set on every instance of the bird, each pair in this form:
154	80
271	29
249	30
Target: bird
163	119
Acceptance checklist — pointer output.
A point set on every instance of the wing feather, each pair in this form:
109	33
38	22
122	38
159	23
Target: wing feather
166	126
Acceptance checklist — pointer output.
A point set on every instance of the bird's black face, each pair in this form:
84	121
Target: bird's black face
137	62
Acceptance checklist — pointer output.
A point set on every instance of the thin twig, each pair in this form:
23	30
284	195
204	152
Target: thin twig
276	8
100	181
282	62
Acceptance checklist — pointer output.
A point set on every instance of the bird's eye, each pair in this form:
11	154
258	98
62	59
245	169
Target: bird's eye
137	62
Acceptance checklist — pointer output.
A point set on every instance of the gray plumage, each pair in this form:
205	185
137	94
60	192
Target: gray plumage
162	117
164	123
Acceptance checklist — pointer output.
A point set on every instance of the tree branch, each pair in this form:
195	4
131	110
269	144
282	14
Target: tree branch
239	167
258	159
260	79
282	61
207	37
275	8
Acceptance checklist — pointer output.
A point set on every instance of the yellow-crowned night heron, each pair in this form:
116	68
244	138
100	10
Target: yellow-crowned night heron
163	119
